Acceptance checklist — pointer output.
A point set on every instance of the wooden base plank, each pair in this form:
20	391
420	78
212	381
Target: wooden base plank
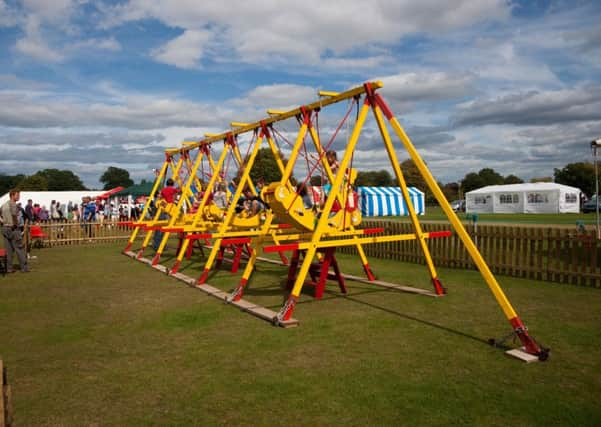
380	283
520	353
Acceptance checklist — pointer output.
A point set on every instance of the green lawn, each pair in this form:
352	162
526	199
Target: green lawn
92	337
435	213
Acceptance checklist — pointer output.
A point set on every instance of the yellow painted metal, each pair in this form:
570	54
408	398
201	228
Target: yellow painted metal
322	223
210	138
327	93
177	214
455	222
232	208
156	221
155	187
394	161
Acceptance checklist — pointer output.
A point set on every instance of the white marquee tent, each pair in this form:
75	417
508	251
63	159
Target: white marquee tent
44	198
539	197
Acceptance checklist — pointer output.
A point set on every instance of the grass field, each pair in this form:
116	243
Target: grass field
435	213
92	337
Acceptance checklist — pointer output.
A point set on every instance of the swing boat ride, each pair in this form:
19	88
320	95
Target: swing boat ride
305	238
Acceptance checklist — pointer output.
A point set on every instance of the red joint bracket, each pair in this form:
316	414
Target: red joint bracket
175	267
287	310
156	258
438	288
265	129
306	115
527	341
203	277
383	106
369	273
230	140
128	247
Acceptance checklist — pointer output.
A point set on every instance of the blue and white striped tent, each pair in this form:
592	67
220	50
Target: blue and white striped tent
388	201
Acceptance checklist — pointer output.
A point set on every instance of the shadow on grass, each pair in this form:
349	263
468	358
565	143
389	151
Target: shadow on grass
428	323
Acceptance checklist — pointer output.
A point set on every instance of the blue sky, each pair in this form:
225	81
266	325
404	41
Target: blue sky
84	85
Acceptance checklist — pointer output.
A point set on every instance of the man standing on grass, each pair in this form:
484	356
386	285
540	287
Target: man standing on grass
13	238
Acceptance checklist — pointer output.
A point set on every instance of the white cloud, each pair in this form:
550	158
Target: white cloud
426	85
536	107
184	51
277	96
306	31
35	45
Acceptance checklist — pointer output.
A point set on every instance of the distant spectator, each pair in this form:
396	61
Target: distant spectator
29	211
13	236
169	192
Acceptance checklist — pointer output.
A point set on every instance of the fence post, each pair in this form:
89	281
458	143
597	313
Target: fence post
6	410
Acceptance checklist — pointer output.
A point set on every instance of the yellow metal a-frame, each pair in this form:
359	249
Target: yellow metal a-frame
317	234
322	237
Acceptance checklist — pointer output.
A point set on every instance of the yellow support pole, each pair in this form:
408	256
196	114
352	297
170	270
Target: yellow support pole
216	169
530	345
155	187
403	186
322	224
230	211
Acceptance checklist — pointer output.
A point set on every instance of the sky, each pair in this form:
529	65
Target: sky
510	85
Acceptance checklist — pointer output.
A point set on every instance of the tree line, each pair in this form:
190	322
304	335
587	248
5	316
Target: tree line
580	175
62	180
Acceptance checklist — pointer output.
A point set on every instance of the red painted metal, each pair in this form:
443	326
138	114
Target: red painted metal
175	267
279	248
172	229
435	234
156	258
140	252
522	332
235	241
383	106
237	294
438	288
203	277
128	246
197	236
237	257
368	231
368	272
289	308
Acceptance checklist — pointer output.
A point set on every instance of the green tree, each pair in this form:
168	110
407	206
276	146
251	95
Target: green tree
115	177
512	179
35	182
580	175
542	179
381	178
61	180
484	177
266	167
8	182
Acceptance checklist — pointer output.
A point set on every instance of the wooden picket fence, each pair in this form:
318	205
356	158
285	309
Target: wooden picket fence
549	253
60	233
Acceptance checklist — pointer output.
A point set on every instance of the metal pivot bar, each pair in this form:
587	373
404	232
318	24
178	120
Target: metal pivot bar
529	344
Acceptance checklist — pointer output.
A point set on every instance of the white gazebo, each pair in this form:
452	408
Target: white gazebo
539	197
